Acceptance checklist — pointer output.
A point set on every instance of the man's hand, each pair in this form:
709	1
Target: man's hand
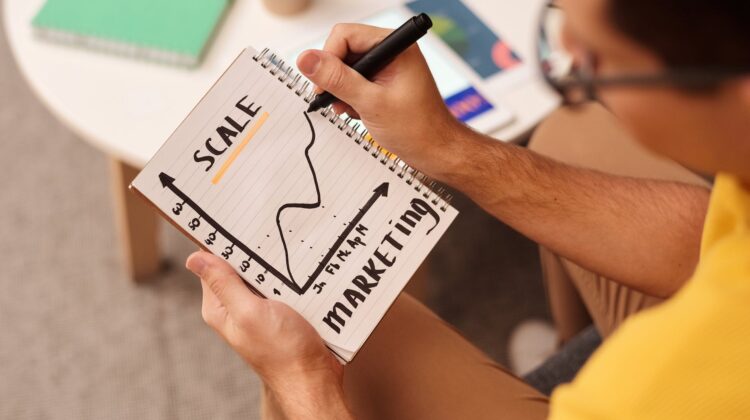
280	345
401	106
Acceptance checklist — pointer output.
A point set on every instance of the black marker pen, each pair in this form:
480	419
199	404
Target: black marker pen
381	54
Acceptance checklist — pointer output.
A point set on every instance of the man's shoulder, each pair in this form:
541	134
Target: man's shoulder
686	358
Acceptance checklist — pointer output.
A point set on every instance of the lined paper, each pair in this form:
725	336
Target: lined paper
307	201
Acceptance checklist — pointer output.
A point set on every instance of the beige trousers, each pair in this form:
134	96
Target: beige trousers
416	366
591	138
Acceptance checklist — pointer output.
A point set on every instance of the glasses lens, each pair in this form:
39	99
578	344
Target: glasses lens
558	65
556	62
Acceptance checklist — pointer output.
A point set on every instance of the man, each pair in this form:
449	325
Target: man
677	75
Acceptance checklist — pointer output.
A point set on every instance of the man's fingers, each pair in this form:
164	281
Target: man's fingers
353	38
212	311
222	281
329	73
340	108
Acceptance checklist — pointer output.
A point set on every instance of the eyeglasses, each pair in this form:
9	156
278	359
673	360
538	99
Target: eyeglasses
577	82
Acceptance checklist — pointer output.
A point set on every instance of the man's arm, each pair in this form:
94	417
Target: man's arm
642	233
321	398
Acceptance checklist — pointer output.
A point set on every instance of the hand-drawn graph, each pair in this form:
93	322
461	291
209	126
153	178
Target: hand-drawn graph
287	279
308	206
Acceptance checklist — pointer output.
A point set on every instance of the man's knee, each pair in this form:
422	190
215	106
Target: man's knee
567	134
546	139
590	137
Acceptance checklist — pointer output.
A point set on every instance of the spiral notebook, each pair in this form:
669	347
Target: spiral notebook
306	207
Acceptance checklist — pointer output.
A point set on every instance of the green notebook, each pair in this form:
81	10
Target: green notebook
172	31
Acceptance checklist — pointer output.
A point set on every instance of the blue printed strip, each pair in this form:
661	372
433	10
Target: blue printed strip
467	104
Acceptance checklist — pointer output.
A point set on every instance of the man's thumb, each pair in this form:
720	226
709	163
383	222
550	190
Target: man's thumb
329	73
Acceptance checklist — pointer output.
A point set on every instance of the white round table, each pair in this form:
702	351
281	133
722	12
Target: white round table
127	107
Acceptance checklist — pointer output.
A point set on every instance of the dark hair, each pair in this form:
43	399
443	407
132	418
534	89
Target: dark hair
713	34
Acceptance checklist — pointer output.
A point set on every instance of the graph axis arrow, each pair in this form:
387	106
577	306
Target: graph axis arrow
381	191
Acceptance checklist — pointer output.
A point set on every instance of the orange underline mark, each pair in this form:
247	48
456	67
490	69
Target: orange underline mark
254	129
385	151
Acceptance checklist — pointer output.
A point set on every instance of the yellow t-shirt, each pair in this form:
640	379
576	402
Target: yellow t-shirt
688	358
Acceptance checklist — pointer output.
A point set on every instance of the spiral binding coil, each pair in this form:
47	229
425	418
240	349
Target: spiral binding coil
286	74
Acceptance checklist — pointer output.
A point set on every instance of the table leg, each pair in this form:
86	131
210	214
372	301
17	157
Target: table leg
137	225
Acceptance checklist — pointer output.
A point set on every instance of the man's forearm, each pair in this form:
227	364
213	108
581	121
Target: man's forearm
643	233
307	399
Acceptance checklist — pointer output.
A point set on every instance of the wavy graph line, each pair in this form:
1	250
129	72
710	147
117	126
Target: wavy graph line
314	205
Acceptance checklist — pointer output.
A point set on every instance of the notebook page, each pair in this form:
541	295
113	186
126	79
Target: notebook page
297	207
